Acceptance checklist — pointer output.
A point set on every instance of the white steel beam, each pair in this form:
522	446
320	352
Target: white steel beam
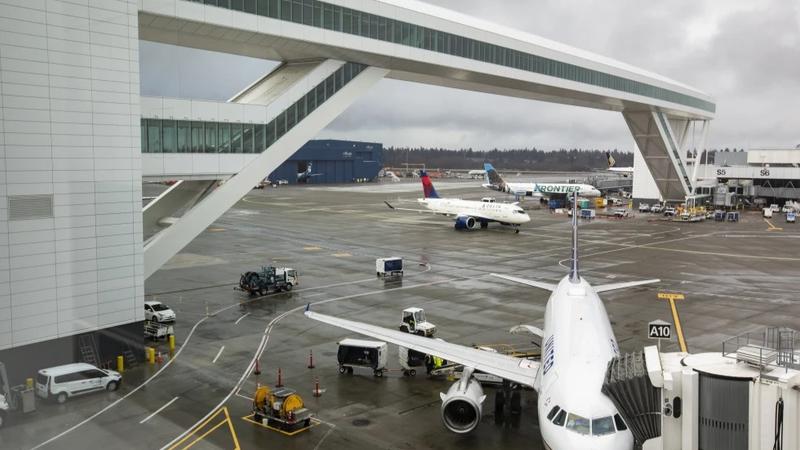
170	241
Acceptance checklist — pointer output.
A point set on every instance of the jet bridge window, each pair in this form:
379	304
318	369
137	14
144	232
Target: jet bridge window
578	424
602	426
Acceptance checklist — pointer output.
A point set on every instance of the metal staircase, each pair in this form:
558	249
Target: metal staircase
88	349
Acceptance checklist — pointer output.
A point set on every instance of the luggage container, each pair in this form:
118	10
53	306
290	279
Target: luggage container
362	354
555	203
409	360
389	267
588	214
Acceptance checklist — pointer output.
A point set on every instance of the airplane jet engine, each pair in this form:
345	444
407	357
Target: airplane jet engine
462	404
466	223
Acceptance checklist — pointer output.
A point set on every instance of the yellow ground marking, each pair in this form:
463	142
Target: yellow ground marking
215	230
342	255
227	419
312	248
771	226
314	422
675	317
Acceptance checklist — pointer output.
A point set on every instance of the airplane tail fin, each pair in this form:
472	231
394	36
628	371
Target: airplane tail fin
493	178
427	186
574	275
611	161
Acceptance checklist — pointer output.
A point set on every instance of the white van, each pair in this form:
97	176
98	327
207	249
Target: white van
63	382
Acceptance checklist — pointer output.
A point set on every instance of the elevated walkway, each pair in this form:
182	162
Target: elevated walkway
295	115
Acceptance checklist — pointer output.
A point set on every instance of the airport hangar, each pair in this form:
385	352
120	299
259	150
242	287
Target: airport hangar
76	245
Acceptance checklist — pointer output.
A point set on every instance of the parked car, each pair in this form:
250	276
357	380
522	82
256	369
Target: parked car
669	211
620	212
70	380
644	207
158	312
656	208
775	208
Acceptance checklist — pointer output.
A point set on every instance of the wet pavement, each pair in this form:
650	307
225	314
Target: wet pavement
736	278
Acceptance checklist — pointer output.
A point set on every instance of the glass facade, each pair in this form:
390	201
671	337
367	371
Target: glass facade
180	136
333	17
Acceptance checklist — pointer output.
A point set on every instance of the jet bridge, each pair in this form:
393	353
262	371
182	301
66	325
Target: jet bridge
746	397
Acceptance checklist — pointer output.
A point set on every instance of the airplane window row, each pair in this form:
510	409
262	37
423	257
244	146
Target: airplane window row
582	425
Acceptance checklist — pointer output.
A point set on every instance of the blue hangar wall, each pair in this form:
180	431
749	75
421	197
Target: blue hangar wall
333	162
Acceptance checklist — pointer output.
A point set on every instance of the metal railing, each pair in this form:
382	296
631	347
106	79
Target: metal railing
778	346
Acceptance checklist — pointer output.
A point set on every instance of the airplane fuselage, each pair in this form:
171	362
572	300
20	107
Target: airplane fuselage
577	344
547	189
498	212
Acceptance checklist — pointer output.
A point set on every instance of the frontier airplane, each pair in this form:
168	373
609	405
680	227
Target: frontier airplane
468	214
578	343
496	183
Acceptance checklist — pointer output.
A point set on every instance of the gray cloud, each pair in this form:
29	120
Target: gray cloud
746	53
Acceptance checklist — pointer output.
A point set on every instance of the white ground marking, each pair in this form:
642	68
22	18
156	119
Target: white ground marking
221	349
240	318
158	410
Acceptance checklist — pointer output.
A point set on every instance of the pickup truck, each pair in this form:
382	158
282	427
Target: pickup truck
644	207
669	211
656	208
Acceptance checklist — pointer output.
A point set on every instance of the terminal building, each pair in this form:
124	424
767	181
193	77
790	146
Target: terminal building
759	175
78	140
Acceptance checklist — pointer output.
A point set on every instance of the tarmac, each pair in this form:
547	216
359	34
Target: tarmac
736	277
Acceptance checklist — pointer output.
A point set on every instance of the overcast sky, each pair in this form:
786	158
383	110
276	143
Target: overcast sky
745	53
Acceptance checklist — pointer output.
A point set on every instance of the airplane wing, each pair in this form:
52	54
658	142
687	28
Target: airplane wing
517	370
415	210
615	286
537	284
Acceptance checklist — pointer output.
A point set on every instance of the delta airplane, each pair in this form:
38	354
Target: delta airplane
303	177
578	343
625	171
496	183
468	214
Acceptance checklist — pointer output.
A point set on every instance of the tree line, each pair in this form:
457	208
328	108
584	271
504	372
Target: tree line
517	159
575	159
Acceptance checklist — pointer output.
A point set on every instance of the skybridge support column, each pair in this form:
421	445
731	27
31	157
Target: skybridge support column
305	93
660	148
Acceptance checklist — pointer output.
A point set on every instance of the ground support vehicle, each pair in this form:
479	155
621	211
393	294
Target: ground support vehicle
358	353
14	398
410	360
414	322
389	267
282	409
157	330
268	279
70	380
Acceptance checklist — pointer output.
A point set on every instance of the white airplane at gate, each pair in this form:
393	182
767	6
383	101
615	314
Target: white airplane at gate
612	166
578	342
468	214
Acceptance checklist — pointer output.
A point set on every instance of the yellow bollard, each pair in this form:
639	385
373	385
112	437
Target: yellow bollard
120	364
171	343
151	355
29	383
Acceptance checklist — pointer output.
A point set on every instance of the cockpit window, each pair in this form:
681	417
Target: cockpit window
553	412
559	420
620	424
603	425
578	424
